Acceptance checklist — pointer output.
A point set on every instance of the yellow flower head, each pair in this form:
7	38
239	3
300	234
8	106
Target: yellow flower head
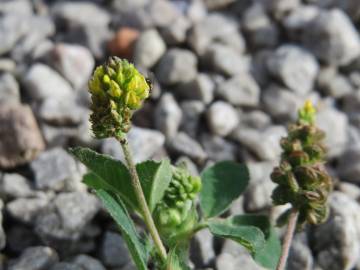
116	89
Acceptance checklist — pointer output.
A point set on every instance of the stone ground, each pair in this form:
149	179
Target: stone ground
228	77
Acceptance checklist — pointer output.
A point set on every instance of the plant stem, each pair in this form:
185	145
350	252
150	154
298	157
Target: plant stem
288	239
141	199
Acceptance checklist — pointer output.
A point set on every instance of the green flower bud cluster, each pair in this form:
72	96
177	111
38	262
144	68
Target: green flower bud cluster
117	88
301	176
176	214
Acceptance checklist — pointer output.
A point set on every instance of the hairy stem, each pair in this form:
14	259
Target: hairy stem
288	239
141	199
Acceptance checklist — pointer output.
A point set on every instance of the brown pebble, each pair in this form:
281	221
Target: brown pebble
20	137
122	44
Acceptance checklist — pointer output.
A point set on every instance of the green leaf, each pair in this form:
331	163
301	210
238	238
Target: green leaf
222	183
265	248
112	174
249	236
269	255
93	181
177	259
118	212
155	178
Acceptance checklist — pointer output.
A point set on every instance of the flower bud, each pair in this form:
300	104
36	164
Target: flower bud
176	215
117	88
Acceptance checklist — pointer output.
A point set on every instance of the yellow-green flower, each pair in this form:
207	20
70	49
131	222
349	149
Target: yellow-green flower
307	113
117	88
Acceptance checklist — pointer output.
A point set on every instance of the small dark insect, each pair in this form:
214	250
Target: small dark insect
150	81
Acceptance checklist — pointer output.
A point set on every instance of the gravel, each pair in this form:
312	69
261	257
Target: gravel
21	140
177	65
222	118
75	63
168	116
54	170
332	37
113	245
295	67
10	90
149	48
42	82
241	89
340	251
35	258
228	78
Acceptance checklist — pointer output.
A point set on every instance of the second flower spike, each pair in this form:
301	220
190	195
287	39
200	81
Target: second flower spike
301	176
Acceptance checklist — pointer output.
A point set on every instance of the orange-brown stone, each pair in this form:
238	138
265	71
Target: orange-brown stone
122	44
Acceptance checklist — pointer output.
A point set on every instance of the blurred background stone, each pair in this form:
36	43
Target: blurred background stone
228	77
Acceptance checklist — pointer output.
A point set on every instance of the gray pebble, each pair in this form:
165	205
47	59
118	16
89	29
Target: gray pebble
218	148
225	60
114	252
183	144
215	27
27	209
175	33
149	48
349	167
202	250
76	209
258	194
276	95
264	143
9	89
222	118
192	112
53	169
12	28
296	22
261	30
88	263
177	66
332	37
201	88
340	251
162	12
42	82
61	112
295	67
41	28
14	185
280	8
241	90
334	84
217	4
168	115
66	266
300	257
336	135
74	62
36	258
2	232
144	143
18	7
255	119
80	14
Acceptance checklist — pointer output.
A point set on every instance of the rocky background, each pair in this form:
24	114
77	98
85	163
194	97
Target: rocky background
228	76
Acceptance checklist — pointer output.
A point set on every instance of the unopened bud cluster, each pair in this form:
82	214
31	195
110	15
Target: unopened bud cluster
176	213
301	176
117	88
